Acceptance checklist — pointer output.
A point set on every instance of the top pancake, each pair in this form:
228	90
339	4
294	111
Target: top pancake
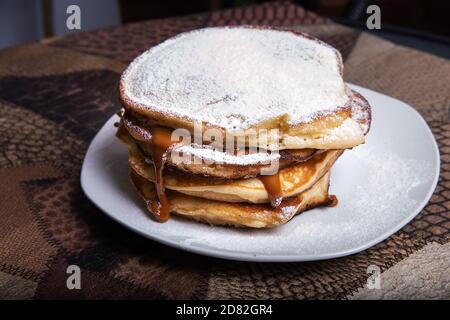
243	78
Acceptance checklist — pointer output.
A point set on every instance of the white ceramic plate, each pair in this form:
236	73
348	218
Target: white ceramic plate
381	186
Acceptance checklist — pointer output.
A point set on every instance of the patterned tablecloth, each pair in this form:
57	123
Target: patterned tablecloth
55	95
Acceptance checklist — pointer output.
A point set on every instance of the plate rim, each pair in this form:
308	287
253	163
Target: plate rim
276	258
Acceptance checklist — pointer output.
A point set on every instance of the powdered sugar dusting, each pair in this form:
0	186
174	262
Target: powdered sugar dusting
216	156
237	77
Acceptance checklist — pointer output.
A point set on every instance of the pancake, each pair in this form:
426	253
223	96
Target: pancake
204	165
239	78
214	163
293	180
237	214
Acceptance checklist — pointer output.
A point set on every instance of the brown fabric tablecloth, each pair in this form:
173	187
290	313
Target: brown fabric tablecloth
55	95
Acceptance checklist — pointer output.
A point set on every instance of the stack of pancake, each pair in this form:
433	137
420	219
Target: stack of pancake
238	126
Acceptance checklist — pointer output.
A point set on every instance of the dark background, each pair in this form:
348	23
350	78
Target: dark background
24	21
423	15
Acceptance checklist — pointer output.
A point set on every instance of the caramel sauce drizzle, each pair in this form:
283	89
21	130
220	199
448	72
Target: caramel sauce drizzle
160	143
272	185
